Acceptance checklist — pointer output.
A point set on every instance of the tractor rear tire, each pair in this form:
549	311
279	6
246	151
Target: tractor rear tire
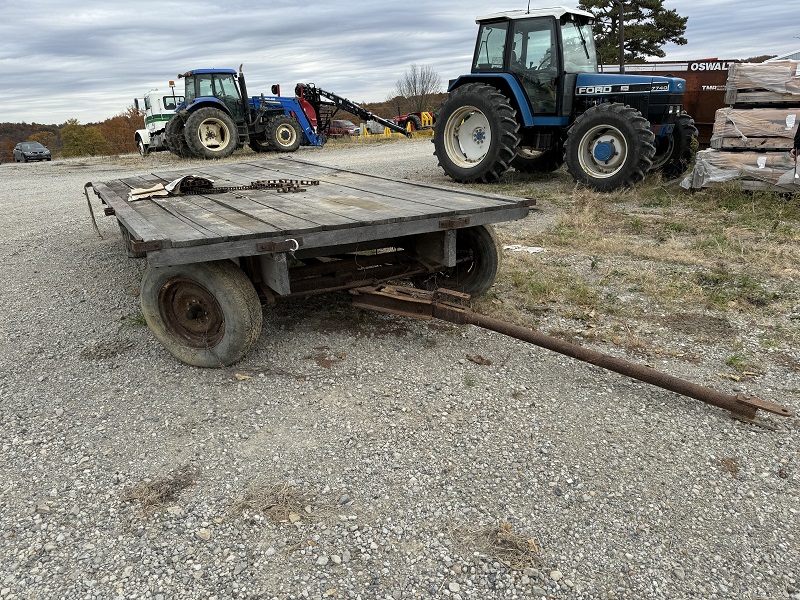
610	146
531	161
211	133
675	153
478	254
476	134
175	138
205	314
284	133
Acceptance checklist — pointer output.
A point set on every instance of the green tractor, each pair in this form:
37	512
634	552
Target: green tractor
535	100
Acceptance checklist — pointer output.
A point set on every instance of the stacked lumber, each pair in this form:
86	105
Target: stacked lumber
752	137
763	83
755	128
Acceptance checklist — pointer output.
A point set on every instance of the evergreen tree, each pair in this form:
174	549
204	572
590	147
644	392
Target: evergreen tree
648	26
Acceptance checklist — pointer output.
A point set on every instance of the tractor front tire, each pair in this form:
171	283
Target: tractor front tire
478	257
260	144
284	133
175	138
533	161
476	136
211	133
610	146
205	314
143	148
675	153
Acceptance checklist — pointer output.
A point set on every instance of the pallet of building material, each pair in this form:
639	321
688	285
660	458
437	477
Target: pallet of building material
763	83
713	167
754	128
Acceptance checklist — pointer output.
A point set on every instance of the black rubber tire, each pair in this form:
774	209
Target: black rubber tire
205	314
675	153
604	127
260	145
143	148
211	133
284	133
175	138
484	152
478	254
530	161
416	122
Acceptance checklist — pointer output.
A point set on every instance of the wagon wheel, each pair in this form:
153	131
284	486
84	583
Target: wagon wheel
205	314
478	261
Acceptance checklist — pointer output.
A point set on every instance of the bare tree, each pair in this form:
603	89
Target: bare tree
417	85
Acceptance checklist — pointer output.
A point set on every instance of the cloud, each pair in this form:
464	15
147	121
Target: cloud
88	59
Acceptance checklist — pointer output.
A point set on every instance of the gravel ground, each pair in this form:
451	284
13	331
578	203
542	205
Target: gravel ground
413	459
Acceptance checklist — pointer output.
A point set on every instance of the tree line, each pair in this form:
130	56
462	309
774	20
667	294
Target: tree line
112	136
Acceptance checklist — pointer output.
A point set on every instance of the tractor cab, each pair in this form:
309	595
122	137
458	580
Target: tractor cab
214	87
541	49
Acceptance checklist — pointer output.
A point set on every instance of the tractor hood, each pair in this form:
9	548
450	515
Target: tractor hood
593	84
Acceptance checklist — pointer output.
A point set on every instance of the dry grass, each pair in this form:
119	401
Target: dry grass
153	493
633	259
499	542
281	503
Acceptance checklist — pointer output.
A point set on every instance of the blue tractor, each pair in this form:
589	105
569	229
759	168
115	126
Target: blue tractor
534	100
217	116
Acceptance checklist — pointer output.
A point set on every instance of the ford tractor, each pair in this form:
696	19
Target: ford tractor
535	100
217	116
158	108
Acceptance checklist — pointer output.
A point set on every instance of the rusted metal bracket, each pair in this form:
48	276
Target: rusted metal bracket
454	307
289	245
454	223
141	246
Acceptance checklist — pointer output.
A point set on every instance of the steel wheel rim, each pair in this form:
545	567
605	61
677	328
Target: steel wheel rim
663	152
467	137
213	134
191	313
286	135
602	134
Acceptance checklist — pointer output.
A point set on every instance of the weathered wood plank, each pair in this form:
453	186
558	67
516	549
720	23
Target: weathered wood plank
176	228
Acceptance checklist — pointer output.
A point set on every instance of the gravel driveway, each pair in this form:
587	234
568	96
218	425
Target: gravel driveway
352	455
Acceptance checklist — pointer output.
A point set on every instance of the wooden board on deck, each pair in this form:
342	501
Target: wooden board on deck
345	208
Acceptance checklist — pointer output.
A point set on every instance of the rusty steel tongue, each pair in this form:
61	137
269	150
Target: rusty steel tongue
453	307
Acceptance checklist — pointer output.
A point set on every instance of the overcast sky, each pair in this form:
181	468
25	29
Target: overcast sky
88	59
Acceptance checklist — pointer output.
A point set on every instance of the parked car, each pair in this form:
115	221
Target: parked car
341	127
28	151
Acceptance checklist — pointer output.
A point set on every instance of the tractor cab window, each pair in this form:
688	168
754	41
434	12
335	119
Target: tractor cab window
579	50
534	60
491	47
147	103
171	102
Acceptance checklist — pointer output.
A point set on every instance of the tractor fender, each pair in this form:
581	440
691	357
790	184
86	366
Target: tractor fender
203	102
507	85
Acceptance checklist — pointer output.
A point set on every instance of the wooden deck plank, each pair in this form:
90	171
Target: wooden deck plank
373	198
179	230
332	204
239	209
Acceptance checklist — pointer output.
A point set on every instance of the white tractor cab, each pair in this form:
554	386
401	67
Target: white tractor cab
158	107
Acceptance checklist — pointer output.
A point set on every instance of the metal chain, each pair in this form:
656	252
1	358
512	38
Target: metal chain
279	185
